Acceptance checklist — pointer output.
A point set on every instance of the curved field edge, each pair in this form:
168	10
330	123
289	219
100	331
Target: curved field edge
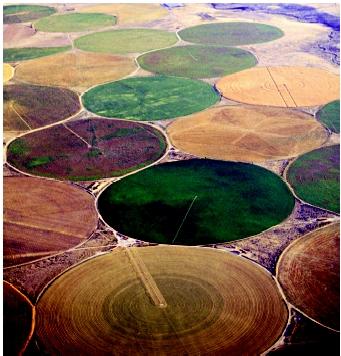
329	115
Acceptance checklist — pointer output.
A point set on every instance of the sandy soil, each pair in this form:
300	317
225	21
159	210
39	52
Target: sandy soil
8	71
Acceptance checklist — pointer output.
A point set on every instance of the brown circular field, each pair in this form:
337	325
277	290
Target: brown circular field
76	70
88	149
42	217
161	300
281	86
248	134
309	272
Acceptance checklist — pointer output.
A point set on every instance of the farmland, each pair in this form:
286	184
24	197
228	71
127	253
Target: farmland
25	13
8	71
214	201
44	217
197	61
313	258
126	41
315	177
87	149
330	116
251	134
150	98
207	309
22	54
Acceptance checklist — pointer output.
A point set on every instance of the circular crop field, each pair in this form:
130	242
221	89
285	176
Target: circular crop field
126	41
42	217
75	70
249	134
196	202
329	115
8	72
281	86
75	22
22	54
88	149
17	318
25	13
29	106
111	305
231	34
150	98
315	177
197	61
309	272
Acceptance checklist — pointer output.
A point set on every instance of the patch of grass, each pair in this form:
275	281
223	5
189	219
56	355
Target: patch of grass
197	61
25	13
94	153
75	22
231	34
126	41
39	161
18	147
330	116
22	54
233	200
150	98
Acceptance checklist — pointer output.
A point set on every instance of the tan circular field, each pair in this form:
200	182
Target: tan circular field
247	134
42	217
8	71
161	300
281	86
309	272
75	70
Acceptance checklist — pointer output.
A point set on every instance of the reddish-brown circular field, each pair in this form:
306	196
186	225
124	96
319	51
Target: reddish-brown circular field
161	300
42	217
281	86
87	149
309	273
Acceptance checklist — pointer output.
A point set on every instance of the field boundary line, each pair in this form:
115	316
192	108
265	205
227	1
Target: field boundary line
286	87
76	134
279	92
20	117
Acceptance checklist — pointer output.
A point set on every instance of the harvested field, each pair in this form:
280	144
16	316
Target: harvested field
30	106
249	134
281	86
150	98
76	70
8	72
232	308
21	35
87	149
22	54
25	13
129	14
213	201
197	61
42	217
329	115
231	34
315	177
17	318
75	22
126	41
309	273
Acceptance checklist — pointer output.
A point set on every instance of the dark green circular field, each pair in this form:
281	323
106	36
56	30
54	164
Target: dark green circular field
231	34
75	22
330	116
197	61
25	13
196	202
315	177
150	98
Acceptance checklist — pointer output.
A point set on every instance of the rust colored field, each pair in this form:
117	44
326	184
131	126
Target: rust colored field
164	302
281	86
75	70
248	134
18	318
309	272
42	217
8	71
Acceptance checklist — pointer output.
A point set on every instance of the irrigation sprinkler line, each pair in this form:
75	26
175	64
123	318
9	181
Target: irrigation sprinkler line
183	220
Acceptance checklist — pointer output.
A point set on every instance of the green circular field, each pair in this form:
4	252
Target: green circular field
315	177
75	22
231	34
330	116
126	41
25	13
196	202
150	98
197	61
